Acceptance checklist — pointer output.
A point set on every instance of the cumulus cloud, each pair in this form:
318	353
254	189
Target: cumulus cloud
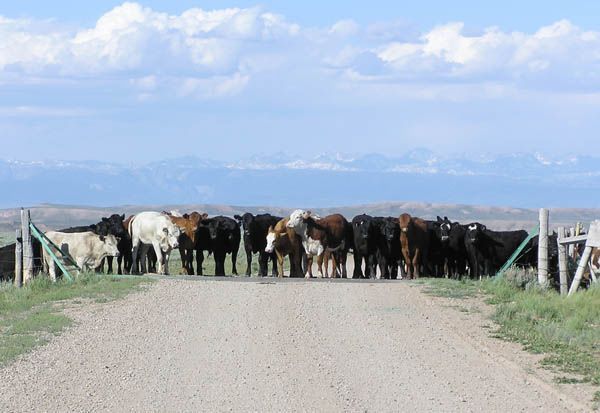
216	54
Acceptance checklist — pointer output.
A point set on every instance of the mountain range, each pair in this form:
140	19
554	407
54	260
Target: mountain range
517	180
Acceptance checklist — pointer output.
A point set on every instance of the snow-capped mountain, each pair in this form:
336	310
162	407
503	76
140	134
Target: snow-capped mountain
527	180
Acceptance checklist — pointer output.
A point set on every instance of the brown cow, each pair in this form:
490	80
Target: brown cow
188	224
284	241
414	240
320	235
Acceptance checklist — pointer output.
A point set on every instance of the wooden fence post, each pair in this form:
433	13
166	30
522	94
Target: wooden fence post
543	248
583	263
18	259
27	247
563	262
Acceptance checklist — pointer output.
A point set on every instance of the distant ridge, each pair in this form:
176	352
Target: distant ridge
501	218
524	180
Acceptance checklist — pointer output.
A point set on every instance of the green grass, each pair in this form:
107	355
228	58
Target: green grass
31	315
208	266
6	238
565	329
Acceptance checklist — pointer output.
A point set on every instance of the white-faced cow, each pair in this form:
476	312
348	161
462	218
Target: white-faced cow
87	249
332	233
156	229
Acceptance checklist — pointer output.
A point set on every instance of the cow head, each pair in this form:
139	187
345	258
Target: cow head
474	232
405	222
297	218
271	238
246	222
362	226
170	236
214	227
109	244
112	225
442	229
390	230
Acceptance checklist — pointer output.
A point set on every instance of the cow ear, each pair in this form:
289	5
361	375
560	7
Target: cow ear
165	230
439	219
270	228
102	238
123	217
236	216
483	227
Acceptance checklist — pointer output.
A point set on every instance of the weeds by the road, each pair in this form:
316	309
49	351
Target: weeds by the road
566	329
29	316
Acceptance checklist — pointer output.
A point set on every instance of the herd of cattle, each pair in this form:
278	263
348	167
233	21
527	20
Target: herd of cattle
398	247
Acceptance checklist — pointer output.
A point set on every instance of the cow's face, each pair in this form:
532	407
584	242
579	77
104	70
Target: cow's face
109	243
246	221
474	232
297	218
213	228
442	229
362	228
170	237
390	231
271	238
404	221
113	225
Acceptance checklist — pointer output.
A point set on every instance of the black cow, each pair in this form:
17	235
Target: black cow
225	238
389	251
7	260
489	250
365	234
255	240
438	247
456	249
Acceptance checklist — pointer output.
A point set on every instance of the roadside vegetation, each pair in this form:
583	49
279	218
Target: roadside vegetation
31	315
565	329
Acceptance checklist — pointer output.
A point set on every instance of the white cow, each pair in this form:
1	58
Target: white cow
156	229
87	249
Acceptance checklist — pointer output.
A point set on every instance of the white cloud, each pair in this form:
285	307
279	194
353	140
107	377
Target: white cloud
215	54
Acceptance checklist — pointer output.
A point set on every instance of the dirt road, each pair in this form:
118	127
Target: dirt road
290	346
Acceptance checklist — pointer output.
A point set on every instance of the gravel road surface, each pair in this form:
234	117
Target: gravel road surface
205	345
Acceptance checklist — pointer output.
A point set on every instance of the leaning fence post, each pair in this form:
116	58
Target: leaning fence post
543	248
27	247
18	258
562	262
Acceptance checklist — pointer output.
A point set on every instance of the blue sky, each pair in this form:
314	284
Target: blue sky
227	79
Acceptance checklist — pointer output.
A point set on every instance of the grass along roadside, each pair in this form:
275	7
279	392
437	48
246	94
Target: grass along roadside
31	315
565	329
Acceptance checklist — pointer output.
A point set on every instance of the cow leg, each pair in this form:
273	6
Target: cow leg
263	263
273	264
309	260
233	261
279	268
320	259
159	258
357	273
344	258
219	263
166	261
416	263
249	263
199	261
134	255
383	267
334	265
